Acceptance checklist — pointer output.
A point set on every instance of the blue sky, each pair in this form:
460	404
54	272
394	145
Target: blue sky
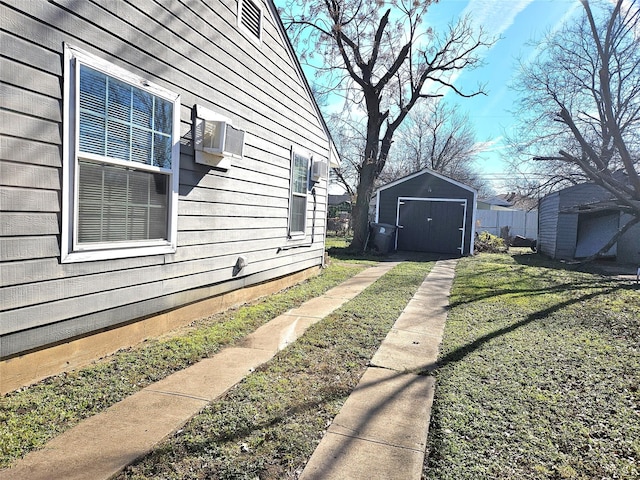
517	23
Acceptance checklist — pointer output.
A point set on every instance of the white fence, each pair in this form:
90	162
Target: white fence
519	222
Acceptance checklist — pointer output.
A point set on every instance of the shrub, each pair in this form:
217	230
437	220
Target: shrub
485	242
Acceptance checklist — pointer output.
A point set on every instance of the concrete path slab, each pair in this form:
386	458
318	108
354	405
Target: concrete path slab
384	407
359	282
405	351
412	320
347	458
381	430
278	333
101	446
212	377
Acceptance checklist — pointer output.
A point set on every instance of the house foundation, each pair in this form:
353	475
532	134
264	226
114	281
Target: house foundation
34	366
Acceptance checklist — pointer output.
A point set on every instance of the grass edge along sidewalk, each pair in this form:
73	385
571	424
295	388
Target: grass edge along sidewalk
268	425
539	374
35	414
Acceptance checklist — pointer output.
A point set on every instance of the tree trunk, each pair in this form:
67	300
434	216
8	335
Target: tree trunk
360	213
369	171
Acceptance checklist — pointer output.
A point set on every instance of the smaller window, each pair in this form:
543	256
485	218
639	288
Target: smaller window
250	18
299	187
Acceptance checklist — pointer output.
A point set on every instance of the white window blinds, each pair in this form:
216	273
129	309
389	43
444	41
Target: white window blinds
121	121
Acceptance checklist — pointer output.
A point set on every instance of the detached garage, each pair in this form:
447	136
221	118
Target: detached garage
432	213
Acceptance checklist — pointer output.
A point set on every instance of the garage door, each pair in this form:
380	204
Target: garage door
431	226
594	231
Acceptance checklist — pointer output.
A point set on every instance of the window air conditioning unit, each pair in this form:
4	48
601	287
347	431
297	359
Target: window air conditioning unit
319	170
216	140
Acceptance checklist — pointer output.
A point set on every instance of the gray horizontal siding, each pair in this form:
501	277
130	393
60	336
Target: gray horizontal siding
104	291
16	248
192	48
29	200
28	223
30	79
24	340
548	224
26	152
31	176
17	125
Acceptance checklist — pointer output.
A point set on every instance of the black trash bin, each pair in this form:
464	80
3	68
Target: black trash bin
383	237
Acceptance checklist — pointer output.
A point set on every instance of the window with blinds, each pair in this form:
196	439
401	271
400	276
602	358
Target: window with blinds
120	186
120	204
298	201
118	121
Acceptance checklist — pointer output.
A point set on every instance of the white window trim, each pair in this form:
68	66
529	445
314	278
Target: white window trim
247	32
70	141
299	234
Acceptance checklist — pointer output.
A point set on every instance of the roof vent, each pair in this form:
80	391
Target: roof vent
250	16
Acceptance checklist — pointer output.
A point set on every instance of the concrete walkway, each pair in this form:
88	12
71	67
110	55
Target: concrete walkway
380	432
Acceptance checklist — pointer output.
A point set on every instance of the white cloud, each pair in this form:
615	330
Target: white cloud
556	27
493	145
495	16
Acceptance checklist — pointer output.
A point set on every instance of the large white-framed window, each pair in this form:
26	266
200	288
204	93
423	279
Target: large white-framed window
121	154
300	162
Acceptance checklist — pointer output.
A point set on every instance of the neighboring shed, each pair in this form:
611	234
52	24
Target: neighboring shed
432	213
339	203
154	156
579	220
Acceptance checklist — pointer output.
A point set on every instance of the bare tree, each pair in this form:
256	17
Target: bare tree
438	136
347	135
382	59
580	106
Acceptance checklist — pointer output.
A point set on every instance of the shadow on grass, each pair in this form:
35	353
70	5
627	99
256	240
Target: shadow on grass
602	267
462	352
204	445
543	278
345	253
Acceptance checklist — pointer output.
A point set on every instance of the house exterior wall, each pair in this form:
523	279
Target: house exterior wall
426	185
199	52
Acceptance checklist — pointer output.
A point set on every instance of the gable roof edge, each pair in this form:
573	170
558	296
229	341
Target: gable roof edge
431	172
283	32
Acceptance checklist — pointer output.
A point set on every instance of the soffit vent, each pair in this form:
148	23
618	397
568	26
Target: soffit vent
251	17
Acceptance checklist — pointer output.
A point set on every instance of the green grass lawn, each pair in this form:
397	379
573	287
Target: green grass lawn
538	378
33	415
268	425
539	374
